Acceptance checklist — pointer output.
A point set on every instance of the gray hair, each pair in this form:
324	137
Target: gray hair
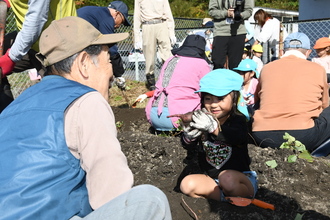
64	66
302	50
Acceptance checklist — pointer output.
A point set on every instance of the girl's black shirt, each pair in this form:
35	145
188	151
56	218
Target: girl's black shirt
227	151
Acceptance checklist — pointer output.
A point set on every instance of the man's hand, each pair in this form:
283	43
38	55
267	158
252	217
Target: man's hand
120	82
230	13
7	3
173	40
6	64
204	121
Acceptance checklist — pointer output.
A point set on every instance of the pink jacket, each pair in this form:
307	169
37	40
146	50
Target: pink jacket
180	90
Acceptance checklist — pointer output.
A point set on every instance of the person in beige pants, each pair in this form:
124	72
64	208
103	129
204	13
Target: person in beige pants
157	23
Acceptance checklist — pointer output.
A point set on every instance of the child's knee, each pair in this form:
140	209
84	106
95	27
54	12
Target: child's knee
188	186
227	180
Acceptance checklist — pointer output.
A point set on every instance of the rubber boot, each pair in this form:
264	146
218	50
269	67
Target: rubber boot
151	81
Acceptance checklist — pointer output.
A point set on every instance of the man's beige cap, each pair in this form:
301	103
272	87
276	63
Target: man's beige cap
68	36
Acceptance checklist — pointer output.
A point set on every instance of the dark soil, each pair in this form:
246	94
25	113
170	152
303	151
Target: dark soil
300	188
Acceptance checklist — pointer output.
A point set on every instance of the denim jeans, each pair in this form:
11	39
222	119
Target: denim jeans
141	202
252	175
161	122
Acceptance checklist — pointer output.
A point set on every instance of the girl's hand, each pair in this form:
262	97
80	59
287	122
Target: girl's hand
190	134
204	121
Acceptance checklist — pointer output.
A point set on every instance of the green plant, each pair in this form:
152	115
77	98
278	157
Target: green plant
119	124
179	123
271	163
118	98
297	147
299	216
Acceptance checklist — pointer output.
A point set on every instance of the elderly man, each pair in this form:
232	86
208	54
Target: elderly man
293	98
65	160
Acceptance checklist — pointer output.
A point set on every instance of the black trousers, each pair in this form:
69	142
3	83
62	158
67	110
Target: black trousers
231	46
311	138
6	97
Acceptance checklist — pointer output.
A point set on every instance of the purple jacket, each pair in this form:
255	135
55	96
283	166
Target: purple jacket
180	90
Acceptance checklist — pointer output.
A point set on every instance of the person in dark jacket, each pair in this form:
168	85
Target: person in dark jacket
107	20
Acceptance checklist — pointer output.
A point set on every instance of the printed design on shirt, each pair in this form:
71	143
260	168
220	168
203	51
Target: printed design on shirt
248	98
217	153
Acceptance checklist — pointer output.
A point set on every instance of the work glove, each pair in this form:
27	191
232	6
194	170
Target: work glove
173	40
6	64
120	82
204	121
141	98
190	134
138	45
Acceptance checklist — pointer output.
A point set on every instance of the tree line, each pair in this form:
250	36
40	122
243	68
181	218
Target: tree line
196	8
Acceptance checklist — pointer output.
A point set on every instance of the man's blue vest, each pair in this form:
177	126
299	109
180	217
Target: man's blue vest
39	177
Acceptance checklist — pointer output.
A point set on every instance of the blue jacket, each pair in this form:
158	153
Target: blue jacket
40	178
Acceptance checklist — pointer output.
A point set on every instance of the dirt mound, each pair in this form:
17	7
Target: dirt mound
300	188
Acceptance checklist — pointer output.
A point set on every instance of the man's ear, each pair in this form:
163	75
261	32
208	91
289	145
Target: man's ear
83	63
308	52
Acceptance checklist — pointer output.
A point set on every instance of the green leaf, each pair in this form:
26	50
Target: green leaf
284	145
300	146
292	158
271	163
288	137
306	155
299	216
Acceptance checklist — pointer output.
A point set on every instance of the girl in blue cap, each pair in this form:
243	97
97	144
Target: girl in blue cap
219	132
248	70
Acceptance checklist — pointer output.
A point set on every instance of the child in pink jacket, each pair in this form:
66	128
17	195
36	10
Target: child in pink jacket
178	80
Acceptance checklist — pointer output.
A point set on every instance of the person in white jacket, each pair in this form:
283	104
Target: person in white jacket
267	33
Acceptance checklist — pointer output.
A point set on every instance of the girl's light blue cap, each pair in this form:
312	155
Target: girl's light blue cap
248	65
220	82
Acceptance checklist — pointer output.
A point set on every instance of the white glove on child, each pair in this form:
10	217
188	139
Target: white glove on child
204	121
190	133
120	82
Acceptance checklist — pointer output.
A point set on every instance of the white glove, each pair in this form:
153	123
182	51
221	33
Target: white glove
204	121
120	82
173	40
190	133
141	98
138	45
